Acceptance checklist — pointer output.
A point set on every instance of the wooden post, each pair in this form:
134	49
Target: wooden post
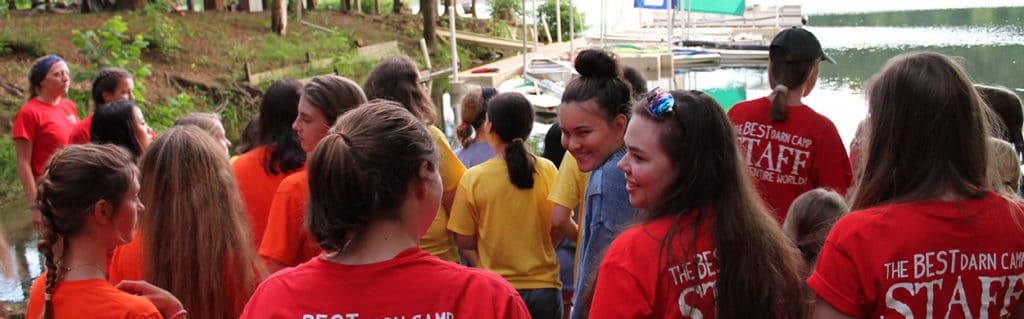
248	72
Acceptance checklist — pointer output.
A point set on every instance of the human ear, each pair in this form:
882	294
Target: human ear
104	211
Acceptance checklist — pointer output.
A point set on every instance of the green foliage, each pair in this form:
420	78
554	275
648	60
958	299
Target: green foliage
385	6
508	10
8	171
82	99
502	29
548	11
111	46
25	40
163	34
278	51
161	116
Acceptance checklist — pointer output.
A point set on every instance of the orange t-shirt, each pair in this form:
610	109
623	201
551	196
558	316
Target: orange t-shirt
94	298
285	239
257	188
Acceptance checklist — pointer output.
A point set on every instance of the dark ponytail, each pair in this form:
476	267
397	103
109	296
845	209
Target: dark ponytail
784	76
511	117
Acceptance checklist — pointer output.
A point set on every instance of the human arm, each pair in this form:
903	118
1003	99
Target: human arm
272	265
467	247
563	225
165	302
23	149
447	199
824	310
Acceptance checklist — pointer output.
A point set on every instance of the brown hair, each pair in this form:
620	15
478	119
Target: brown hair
106	81
1008	106
926	135
333	95
1004	168
758	277
783	76
474	112
273	127
397	79
208	122
601	79
195	239
511	119
75	180
809	220
361	170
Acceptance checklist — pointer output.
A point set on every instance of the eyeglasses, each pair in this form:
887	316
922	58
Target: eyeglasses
660	102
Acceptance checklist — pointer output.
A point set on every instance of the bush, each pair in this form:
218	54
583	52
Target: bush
8	171
164	35
111	46
508	10
385	6
548	11
162	116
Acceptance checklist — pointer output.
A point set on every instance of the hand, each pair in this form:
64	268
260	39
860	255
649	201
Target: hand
162	299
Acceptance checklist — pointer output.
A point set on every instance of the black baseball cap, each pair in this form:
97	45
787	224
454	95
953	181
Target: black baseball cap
796	44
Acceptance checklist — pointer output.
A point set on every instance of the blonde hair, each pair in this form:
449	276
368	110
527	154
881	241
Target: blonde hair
208	122
1003	168
196	241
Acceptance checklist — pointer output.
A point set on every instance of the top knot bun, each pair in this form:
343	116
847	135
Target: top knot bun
597	63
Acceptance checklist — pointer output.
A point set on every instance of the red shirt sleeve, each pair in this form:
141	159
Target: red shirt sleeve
25	125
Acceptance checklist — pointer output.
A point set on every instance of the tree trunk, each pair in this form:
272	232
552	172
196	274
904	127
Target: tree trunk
346	6
310	4
447	4
212	5
192	5
429	10
376	7
279	17
128	4
472	7
398	7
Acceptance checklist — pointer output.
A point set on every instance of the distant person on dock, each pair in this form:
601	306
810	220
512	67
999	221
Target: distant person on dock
927	237
593	115
374	191
502	211
475	149
398	79
111	84
89	200
275	155
43	124
705	246
190	196
789	147
286	242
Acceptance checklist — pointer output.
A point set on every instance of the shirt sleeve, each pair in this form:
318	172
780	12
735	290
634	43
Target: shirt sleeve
835	280
25	125
565	191
832	164
463	217
283	236
451	168
619	293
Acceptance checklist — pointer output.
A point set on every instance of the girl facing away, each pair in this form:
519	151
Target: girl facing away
926	237
475	149
593	117
501	211
209	123
398	79
789	147
275	155
191	197
285	241
89	201
809	220
374	189
706	246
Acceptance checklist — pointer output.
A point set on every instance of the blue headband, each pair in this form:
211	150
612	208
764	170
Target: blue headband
39	70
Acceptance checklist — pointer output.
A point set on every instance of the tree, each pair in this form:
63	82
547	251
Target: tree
279	17
398	7
131	4
472	7
209	5
429	10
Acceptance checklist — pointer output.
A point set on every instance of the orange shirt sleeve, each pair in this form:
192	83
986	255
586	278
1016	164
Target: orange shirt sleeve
285	240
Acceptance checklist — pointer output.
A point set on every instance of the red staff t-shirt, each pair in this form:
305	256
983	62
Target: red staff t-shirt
639	279
414	284
962	259
47	126
790	157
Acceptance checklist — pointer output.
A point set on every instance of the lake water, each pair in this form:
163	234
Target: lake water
989	41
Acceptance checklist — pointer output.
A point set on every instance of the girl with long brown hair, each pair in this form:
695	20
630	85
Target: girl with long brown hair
706	246
926	237
89	200
191	197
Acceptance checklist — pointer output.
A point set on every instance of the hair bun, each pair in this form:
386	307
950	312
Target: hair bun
597	63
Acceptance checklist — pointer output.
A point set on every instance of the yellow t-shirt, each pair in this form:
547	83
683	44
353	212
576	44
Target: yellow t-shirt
570	185
512	226
437	241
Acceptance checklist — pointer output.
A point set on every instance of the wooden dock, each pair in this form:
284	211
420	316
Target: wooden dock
487	40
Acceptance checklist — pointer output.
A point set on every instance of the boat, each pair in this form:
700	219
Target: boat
542	84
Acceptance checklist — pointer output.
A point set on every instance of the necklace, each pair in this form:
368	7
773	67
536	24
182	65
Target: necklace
102	271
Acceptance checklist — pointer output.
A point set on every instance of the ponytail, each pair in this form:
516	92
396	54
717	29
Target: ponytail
474	112
512	120
521	164
779	112
332	219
